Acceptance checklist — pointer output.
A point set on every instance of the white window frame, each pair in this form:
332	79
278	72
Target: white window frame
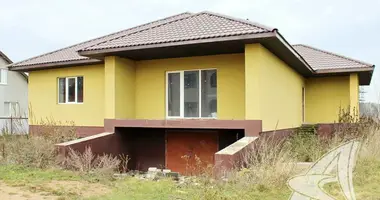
303	104
182	94
3	76
67	90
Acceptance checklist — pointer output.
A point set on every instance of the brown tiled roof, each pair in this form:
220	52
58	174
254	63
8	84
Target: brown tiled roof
321	60
202	25
70	53
185	27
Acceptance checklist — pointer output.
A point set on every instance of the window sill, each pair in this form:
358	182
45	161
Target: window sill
191	118
70	103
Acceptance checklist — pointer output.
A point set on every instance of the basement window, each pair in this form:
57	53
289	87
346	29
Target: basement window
70	90
191	94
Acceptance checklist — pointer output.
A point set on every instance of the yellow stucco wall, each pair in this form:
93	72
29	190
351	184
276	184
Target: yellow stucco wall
273	90
325	96
151	88
43	96
254	85
119	88
354	94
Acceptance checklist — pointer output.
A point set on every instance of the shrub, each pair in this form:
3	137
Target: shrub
55	131
36	150
28	151
267	162
89	163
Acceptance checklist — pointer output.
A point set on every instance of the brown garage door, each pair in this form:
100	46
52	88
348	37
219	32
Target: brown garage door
190	151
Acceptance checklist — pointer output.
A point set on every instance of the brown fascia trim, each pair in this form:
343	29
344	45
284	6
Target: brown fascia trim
347	70
90	53
54	65
291	49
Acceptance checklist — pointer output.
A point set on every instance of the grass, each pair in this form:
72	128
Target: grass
132	188
20	176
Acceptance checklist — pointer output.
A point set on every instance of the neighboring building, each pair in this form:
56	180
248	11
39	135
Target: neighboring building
13	98
190	84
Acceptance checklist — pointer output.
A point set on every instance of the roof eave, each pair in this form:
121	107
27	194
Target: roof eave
365	73
294	52
5	57
332	71
42	66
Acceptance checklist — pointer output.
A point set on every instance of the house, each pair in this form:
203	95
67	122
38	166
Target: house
13	98
190	84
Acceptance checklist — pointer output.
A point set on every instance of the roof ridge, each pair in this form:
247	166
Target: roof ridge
257	25
334	54
87	41
148	28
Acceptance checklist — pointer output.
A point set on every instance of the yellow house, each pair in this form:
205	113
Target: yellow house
190	84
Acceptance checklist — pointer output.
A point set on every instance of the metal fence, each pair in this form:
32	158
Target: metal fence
14	125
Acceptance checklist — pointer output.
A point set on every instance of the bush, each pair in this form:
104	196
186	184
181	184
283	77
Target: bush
55	131
28	151
89	163
36	150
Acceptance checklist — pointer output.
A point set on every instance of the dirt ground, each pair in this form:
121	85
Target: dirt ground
69	187
17	193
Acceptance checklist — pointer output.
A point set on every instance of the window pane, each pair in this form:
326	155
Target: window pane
208	93
80	89
3	76
71	89
191	93
7	109
15	112
62	90
174	94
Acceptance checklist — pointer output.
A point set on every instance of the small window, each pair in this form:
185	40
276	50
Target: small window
70	90
11	109
3	76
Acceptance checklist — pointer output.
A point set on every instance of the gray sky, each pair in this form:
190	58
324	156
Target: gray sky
348	27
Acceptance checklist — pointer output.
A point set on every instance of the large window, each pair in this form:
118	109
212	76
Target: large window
70	90
3	76
191	94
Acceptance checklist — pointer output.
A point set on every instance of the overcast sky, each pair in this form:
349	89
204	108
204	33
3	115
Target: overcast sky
348	27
